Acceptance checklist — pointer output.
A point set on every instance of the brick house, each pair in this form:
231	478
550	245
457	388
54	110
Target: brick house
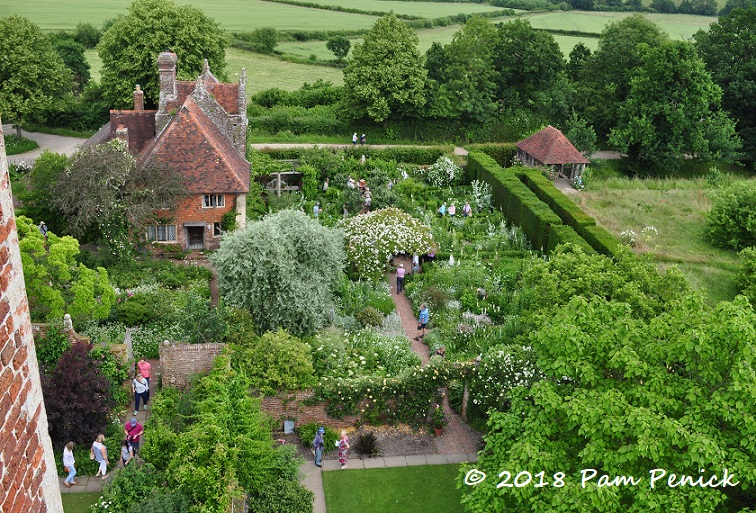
199	130
550	147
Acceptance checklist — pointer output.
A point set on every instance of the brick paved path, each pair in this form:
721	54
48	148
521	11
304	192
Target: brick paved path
458	437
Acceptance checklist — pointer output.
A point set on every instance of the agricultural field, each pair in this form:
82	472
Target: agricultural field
263	71
419	8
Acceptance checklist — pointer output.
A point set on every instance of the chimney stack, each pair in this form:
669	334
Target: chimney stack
122	134
167	71
138	99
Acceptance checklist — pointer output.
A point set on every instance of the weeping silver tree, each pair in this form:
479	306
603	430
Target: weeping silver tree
284	270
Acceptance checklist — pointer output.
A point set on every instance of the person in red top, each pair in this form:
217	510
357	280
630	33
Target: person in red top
144	368
133	431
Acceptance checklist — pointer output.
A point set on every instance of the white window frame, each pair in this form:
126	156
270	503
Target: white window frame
213	200
168	230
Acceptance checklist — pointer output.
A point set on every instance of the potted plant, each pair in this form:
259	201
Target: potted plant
438	419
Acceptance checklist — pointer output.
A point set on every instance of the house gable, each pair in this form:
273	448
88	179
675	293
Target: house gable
550	146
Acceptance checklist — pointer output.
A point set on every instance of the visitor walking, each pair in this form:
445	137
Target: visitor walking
466	210
363	140
318	444
422	320
354	139
400	272
133	431
316	209
69	465
141	392
99	453
452	210
145	369
343	445
127	453
43	230
442	210
415	263
325	185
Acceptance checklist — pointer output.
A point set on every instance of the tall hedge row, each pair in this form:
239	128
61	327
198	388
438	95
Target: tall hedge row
519	204
421	155
503	153
564	207
530	200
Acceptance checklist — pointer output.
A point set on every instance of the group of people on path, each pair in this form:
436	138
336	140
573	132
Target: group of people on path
132	431
451	210
318	444
362	139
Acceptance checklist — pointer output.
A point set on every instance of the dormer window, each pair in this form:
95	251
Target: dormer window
213	200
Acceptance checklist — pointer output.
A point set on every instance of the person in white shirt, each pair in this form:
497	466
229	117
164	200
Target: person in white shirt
69	465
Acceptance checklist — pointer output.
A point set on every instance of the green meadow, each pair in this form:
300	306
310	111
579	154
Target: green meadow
419	8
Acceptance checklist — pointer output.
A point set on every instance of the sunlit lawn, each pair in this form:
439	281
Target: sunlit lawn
78	502
428	488
678	210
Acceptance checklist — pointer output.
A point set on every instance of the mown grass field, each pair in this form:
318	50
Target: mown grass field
263	71
419	8
428	488
678	210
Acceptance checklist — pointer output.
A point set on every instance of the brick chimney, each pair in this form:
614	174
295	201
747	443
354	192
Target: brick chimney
138	99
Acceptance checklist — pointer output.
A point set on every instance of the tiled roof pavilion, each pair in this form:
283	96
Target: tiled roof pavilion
550	147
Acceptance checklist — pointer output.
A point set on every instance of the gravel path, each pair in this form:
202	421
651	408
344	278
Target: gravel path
54	143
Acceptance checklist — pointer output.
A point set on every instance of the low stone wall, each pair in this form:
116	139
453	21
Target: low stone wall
292	406
181	361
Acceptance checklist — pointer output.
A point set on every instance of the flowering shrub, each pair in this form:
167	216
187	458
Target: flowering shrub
629	237
501	369
481	196
406	398
443	172
372	239
438	419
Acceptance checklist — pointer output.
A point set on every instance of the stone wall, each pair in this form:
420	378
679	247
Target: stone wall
28	478
181	361
292	406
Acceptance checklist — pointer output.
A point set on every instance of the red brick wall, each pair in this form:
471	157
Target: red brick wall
290	406
180	361
190	210
28	479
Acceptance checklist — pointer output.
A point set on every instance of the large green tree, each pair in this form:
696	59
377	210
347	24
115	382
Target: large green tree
729	50
531	71
672	110
385	78
607	83
55	283
32	74
625	396
130	47
283	269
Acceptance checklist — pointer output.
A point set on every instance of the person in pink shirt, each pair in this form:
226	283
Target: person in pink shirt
400	272
144	368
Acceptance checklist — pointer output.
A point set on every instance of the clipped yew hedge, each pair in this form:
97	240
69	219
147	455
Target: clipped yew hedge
518	203
562	234
600	240
420	155
503	153
563	206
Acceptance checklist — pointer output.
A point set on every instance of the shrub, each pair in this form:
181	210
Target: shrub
163	502
501	369
136	310
281	496
274	361
369	316
443	173
746	278
367	445
77	397
128	488
51	347
732	219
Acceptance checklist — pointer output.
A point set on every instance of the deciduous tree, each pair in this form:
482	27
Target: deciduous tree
32	74
672	110
385	78
729	51
130	47
340	46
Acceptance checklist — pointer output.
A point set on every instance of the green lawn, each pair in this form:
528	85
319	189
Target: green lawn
263	71
678	210
423	9
234	15
428	488
78	502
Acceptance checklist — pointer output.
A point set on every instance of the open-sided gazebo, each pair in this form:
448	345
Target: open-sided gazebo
549	147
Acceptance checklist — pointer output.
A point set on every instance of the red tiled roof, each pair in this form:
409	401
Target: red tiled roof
193	145
227	95
140	123
550	146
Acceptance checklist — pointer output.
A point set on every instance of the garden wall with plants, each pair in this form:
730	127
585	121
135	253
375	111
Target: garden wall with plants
182	361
